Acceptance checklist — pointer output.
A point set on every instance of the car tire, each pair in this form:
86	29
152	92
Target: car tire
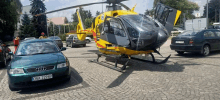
88	41
13	89
180	52
71	45
84	45
3	64
205	50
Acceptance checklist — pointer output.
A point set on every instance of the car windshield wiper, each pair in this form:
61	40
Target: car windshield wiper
42	53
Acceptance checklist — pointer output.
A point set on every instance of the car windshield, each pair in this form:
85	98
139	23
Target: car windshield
142	23
54	37
188	33
36	48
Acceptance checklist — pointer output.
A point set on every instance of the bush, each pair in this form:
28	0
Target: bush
62	37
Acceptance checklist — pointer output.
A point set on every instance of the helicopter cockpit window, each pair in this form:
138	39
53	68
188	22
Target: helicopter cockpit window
116	28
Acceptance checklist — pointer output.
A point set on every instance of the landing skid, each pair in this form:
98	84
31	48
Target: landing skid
124	66
153	59
116	62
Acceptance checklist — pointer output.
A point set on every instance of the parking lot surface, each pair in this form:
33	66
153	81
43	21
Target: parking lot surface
183	77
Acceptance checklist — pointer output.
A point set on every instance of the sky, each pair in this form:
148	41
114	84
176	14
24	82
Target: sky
142	5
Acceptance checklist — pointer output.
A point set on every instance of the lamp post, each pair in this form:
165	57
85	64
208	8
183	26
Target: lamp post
207	15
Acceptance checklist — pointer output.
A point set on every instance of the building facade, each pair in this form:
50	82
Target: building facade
57	20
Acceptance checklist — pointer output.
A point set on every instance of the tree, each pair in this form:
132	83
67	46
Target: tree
89	14
213	10
27	29
25	20
75	17
86	16
97	13
185	6
88	22
8	18
149	12
40	22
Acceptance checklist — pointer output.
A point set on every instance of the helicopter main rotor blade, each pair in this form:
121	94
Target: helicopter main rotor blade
115	1
126	7
71	7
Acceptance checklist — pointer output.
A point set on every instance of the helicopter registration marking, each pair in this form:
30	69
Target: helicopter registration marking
179	41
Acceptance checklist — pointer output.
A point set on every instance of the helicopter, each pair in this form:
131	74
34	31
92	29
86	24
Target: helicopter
123	33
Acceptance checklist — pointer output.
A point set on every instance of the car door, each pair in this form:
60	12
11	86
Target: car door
212	39
217	32
117	34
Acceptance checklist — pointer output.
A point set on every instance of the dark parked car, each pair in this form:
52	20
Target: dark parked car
4	54
202	41
73	40
57	40
37	62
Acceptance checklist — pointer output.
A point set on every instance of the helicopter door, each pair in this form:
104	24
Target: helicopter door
167	16
116	33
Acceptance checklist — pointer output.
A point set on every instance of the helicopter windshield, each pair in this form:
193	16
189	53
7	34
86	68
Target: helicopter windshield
141	23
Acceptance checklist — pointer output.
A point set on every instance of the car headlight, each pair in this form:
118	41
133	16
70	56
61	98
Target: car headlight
16	71
61	65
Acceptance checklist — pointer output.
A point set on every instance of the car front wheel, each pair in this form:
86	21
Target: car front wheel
206	50
180	52
87	41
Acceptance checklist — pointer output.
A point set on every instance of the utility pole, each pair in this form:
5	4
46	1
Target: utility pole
59	29
207	15
53	30
102	7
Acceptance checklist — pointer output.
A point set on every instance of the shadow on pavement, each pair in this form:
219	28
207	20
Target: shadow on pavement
196	55
57	87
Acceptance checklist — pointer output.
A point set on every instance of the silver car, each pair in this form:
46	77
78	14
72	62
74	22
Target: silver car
57	40
73	40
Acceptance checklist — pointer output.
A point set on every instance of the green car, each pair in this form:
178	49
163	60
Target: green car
37	62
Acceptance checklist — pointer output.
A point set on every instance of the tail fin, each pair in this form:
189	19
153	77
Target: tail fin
167	16
80	24
81	30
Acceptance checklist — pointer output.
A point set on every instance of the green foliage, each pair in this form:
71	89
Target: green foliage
27	29
149	12
86	16
8	18
214	6
40	22
185	6
97	13
88	22
62	37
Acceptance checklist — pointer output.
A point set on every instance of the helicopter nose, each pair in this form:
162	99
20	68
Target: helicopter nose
161	39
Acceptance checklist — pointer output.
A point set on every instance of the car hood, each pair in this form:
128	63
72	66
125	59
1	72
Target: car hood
37	60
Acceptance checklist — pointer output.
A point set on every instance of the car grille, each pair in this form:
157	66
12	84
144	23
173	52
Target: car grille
40	69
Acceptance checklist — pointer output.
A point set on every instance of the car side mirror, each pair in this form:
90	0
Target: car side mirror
63	49
10	53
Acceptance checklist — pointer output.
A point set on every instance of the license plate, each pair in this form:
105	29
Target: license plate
179	41
43	77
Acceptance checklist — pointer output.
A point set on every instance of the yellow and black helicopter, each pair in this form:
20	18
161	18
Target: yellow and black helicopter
125	32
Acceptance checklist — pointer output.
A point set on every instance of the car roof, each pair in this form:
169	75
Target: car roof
37	40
